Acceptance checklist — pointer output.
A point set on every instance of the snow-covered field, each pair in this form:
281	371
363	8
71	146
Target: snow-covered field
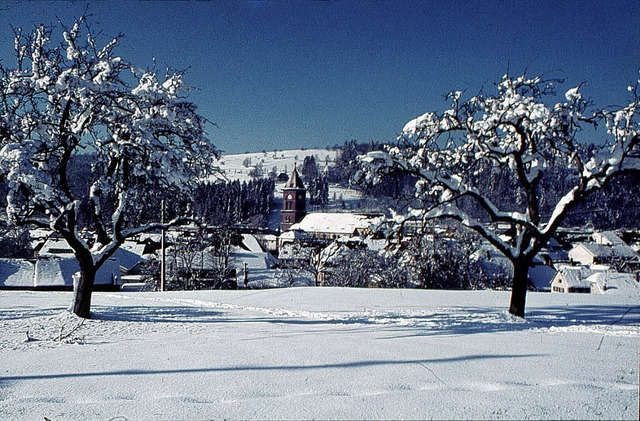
328	353
234	167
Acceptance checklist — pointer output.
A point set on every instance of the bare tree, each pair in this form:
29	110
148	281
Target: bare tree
513	131
62	99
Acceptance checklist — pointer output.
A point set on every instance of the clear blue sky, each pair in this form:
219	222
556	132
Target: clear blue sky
287	74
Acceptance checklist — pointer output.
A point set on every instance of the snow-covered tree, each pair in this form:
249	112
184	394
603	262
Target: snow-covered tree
63	99
516	130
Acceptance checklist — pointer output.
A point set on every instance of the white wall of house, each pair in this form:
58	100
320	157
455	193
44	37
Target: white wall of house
581	255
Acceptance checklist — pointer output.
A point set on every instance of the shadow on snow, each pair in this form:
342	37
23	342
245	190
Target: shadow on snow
444	321
249	368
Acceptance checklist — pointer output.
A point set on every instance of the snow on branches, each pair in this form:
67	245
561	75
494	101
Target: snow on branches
517	131
63	100
77	98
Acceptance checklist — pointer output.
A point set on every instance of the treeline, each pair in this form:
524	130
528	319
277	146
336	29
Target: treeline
316	182
214	203
234	202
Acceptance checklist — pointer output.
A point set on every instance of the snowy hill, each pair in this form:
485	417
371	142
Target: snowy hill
327	353
238	166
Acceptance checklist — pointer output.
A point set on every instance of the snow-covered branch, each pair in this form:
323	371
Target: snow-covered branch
512	133
65	100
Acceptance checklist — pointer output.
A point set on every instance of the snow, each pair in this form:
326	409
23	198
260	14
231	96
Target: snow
605	282
59	273
573	95
16	273
337	223
328	353
233	167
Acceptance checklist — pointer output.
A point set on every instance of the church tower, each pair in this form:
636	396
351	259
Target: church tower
294	201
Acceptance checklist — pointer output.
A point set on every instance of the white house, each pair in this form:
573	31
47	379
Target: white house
593	253
572	279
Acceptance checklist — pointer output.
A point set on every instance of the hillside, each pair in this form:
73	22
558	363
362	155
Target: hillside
234	168
319	353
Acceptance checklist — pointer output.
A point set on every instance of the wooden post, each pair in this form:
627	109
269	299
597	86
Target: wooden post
246	275
163	263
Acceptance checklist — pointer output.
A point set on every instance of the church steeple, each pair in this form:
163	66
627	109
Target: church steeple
294	201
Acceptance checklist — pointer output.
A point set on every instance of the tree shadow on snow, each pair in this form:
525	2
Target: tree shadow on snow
587	315
258	368
18	313
446	321
469	320
156	314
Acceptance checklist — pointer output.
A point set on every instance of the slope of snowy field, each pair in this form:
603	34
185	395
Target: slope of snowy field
234	167
328	353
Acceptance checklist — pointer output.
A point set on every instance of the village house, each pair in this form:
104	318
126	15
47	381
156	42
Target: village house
572	279
54	274
55	266
594	280
335	225
607	248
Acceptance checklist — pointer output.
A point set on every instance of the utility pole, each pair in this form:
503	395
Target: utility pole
163	263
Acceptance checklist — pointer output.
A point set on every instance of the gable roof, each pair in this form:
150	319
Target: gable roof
607	238
609	251
333	222
541	276
575	276
615	282
59	273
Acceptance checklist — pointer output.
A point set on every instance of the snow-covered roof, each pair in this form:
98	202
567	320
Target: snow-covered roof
261	260
333	223
56	247
134	247
541	276
59	273
251	243
575	276
129	254
615	282
16	273
609	251
294	182
608	238
293	234
129	257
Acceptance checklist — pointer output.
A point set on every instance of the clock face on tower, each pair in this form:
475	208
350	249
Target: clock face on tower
289	197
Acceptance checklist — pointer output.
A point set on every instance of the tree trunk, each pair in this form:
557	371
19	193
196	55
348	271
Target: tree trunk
83	289
519	288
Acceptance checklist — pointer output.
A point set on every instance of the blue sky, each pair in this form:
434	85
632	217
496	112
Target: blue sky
291	74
